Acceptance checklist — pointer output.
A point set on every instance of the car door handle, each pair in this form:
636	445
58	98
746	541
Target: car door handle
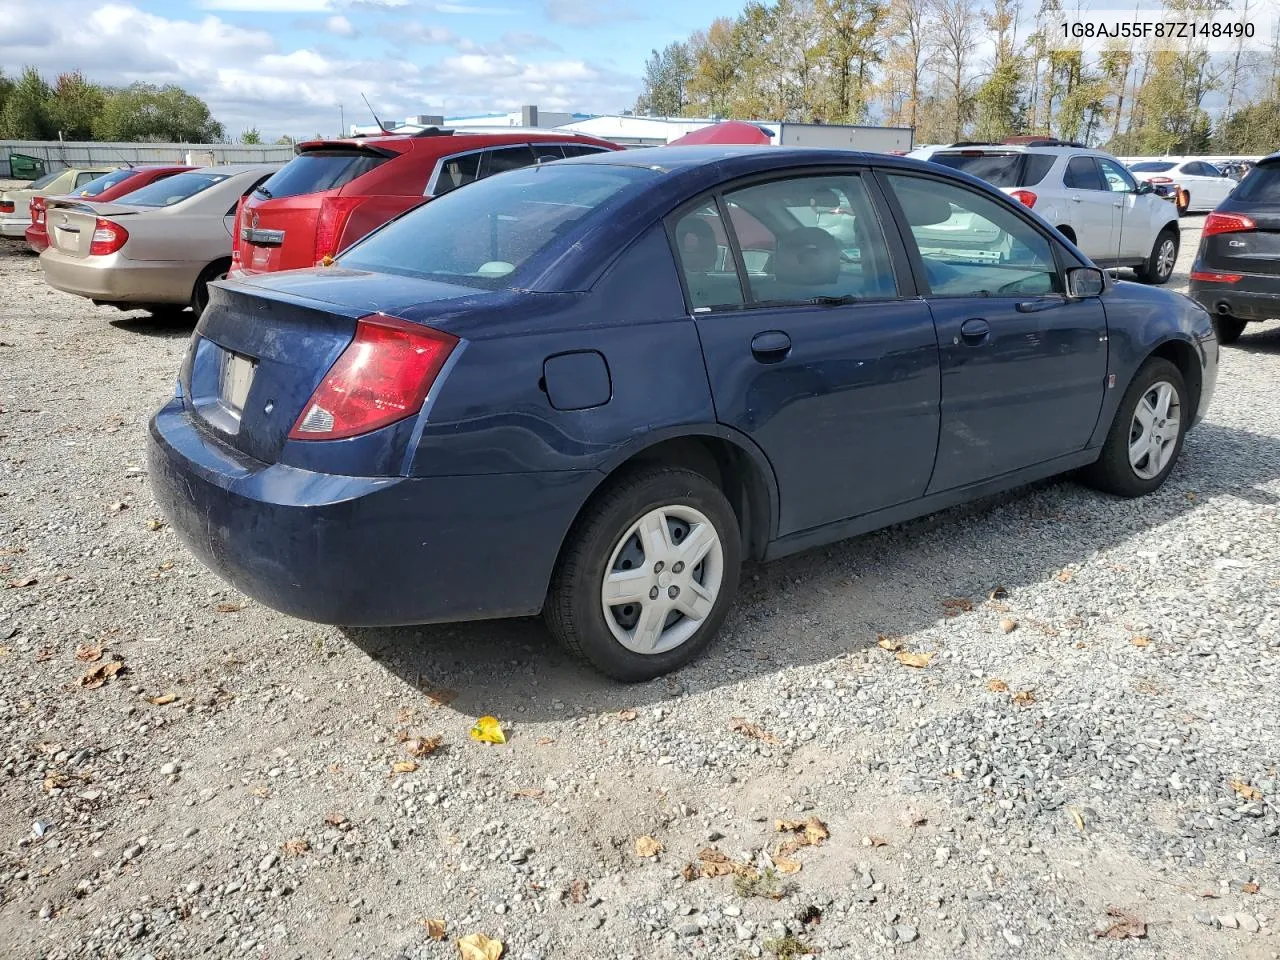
1076	199
1118	203
1040	303
974	331
770	346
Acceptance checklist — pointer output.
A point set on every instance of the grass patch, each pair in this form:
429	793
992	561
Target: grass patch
789	947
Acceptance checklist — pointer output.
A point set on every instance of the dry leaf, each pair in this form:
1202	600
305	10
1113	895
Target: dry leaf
996	685
785	864
1124	926
626	716
646	846
435	929
1140	641
917	660
1077	817
578	890
164	699
154	524
442	697
88	654
689	872
1248	888
476	946
424	746
878	841
1008	625
101	674
1246	791
892	644
530	793
488	730
56	781
21	582
543	741
403	766
954	606
295	847
1024	697
262	792
334	819
1065	575
230	607
814	831
998	593
739	725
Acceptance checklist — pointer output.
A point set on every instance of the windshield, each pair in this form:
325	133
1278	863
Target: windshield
1152	166
1260	186
104	182
44	181
318	170
171	190
484	232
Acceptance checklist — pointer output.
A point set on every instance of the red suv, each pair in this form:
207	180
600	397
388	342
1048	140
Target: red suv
107	187
336	191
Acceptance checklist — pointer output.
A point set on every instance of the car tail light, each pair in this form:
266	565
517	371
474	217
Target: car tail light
235	232
1160	179
6	206
334	213
37	209
1025	197
1208	276
383	376
108	237
1227	223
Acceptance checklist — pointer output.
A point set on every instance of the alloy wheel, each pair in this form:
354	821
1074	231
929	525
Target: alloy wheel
1166	256
1153	432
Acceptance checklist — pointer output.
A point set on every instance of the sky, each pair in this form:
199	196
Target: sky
291	66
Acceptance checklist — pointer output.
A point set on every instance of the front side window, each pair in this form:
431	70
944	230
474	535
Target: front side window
1117	177
1082	174
972	245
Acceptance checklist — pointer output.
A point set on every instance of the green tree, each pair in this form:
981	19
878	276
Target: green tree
285	141
75	104
1250	130
251	136
26	109
717	68
1000	101
851	46
145	112
666	81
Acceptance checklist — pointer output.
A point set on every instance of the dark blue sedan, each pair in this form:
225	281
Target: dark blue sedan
592	388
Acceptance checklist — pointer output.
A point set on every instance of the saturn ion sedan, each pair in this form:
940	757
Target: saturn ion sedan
595	387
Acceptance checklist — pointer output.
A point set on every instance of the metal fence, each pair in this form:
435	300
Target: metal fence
55	154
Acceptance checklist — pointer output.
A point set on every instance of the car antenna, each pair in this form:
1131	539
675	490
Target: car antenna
381	125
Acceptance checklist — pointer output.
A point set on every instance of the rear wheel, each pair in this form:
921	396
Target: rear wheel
647	575
1228	328
200	295
1146	436
1158	267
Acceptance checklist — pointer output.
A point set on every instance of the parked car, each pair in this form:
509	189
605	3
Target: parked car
578	389
109	186
158	248
1236	274
1087	194
15	205
1198	185
335	191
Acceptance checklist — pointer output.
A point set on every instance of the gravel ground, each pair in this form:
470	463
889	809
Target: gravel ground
1102	735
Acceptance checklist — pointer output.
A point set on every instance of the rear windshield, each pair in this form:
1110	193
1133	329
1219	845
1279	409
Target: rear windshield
1152	166
1014	169
318	170
44	181
1260	186
482	235
171	190
104	182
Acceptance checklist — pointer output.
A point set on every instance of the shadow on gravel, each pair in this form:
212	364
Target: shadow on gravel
833	600
165	326
1265	340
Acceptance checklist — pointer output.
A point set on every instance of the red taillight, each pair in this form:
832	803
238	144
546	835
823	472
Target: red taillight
1227	223
108	237
6	206
1025	197
1208	276
383	376
235	232
334	213
37	209
1160	180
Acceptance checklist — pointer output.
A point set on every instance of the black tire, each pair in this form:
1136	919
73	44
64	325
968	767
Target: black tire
1158	267
1113	472
1228	329
200	294
575	612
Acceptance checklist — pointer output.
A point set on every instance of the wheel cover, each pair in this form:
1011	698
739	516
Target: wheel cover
662	579
1166	256
1154	430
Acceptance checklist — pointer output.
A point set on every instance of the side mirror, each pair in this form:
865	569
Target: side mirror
1145	187
1084	282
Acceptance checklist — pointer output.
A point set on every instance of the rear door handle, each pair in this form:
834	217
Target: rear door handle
770	346
974	331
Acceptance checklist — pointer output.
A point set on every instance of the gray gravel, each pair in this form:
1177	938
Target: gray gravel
230	791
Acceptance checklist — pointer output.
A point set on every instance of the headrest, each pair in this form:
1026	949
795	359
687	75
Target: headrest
824	197
697	243
807	256
921	207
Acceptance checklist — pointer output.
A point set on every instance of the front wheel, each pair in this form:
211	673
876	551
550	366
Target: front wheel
647	575
1158	267
1146	435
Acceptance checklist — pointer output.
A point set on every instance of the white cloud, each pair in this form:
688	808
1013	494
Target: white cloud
268	6
588	13
469	9
340	26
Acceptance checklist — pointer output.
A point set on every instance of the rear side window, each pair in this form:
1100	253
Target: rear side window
581	149
456	172
1152	166
502	159
97	185
1260	186
1082	174
1038	165
998	169
171	190
318	170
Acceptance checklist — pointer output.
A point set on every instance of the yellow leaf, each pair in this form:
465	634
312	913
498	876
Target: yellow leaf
786	864
626	716
892	644
1249	888
646	846
164	699
154	524
424	746
917	660
996	685
1077	817
435	929
1065	575
403	766
488	730
1141	641
476	946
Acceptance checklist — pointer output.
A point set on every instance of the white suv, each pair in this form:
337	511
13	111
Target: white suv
1087	194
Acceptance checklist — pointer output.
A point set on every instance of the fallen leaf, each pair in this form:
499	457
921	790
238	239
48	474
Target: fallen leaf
230	607
488	730
543	741
476	946
435	929
626	716
646	846
101	674
424	746
56	781
334	819
1124	926
578	890
1207	895
1249	888
1246	791
262	792
118	506
529	793
295	847
814	831
21	582
1024	697
1065	575
878	841
1141	641
998	593
1077	817
164	699
403	766
88	654
48	653
917	660
785	864
739	725
442	697
1008	625
892	644
154	524
954	606
689	872
996	685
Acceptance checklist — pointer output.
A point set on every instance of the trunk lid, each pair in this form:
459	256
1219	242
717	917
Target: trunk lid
1249	251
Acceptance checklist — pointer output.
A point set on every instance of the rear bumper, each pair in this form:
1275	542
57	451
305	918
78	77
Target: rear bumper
363	551
117	279
1253	297
15	227
37	238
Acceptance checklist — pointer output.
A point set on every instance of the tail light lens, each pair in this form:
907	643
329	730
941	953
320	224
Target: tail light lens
1208	276
37	209
108	237
383	376
1160	179
235	232
1227	223
1024	197
334	214
6	206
